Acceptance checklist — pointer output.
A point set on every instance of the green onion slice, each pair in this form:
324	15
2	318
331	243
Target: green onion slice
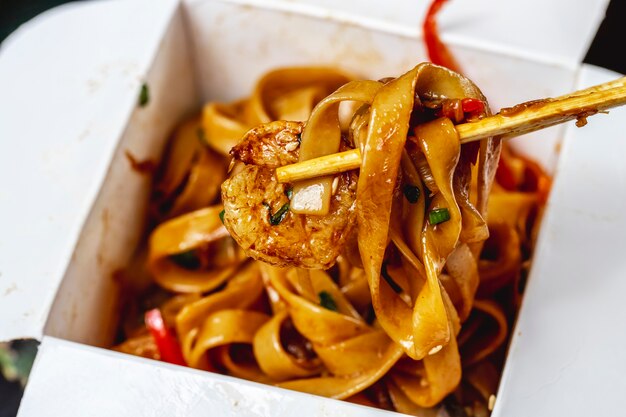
279	216
439	215
144	95
187	259
327	301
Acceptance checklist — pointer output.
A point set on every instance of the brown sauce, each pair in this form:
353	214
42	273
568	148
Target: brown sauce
581	118
518	108
147	166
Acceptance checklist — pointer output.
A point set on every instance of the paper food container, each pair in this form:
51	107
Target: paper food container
71	208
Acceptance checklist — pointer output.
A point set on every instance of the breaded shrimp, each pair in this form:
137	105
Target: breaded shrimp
256	205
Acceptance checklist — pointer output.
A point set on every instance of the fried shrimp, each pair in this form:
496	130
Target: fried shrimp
256	205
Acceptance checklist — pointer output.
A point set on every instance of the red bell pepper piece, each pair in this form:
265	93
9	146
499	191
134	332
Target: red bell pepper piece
165	340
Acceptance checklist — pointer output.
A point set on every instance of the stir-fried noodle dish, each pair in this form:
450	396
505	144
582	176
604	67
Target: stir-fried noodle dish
394	285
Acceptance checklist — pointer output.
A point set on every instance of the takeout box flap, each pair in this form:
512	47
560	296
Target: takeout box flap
554	31
69	78
566	357
70	379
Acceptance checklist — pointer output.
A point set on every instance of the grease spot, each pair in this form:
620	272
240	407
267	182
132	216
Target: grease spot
84	134
10	289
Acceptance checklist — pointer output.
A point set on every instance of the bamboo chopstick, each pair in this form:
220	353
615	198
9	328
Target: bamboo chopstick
518	120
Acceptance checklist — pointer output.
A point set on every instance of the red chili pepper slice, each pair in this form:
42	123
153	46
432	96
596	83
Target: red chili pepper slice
533	179
472	105
536	180
164	338
437	50
504	173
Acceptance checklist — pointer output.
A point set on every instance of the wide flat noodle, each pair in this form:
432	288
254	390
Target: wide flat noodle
492	327
182	235
272	357
240	293
381	153
191	175
283	94
225	327
313	196
356	354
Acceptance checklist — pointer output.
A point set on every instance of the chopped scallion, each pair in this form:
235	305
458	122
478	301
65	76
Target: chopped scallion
202	136
280	215
144	95
412	193
439	215
222	215
276	218
289	192
187	260
327	301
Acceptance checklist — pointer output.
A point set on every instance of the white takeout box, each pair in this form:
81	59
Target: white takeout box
71	208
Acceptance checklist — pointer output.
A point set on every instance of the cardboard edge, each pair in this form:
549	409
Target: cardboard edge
184	391
410	31
29	321
543	245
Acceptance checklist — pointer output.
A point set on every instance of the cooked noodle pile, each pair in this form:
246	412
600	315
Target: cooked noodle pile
394	285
